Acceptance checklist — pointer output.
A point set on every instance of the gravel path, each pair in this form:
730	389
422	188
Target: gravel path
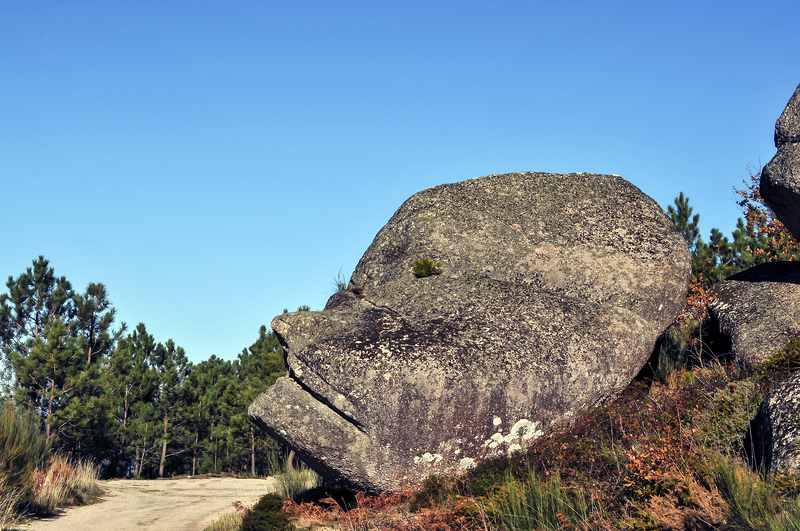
157	505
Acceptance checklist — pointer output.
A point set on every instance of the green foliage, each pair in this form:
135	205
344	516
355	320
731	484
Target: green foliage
52	339
753	503
429	495
267	515
531	505
782	362
726	418
23	447
340	282
758	237
126	400
425	267
292	479
230	521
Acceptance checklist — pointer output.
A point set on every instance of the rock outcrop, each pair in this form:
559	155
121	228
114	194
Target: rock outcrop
780	178
552	293
758	310
776	429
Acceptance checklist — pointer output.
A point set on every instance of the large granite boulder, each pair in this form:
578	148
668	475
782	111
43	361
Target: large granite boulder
552	293
758	310
776	428
780	178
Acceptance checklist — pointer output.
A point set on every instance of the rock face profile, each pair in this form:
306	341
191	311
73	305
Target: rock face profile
758	310
780	178
552	292
776	430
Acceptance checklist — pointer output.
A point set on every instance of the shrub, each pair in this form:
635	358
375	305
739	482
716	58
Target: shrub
266	514
429	494
23	447
726	419
425	267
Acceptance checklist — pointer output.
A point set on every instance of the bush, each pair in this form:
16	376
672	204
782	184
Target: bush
425	267
429	495
267	515
23	447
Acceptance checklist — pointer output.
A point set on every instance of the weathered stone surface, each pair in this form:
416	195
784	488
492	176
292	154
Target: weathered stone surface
758	310
553	291
787	128
780	178
776	429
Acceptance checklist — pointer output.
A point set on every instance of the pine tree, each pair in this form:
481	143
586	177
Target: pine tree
759	237
131	383
171	369
51	339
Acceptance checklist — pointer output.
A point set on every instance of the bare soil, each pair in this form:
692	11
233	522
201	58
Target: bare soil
157	505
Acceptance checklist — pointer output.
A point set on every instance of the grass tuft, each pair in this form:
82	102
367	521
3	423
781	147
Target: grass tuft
10	499
230	521
753	503
292	481
64	482
530	505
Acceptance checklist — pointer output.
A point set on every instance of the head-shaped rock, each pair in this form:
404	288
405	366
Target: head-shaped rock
780	178
552	291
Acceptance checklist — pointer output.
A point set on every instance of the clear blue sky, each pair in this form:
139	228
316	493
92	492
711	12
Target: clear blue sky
213	163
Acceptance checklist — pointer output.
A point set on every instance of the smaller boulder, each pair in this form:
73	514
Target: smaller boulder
758	310
780	178
776	429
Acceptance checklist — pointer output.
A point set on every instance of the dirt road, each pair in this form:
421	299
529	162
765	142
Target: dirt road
157	505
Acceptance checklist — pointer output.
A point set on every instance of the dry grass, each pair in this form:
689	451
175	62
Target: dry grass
10	498
64	482
230	521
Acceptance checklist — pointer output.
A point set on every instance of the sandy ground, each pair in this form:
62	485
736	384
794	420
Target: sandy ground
157	505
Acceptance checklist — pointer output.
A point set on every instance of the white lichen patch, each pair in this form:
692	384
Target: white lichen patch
428	458
467	463
339	401
521	431
497	421
524	429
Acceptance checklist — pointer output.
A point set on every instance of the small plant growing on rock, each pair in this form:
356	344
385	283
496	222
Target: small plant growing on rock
425	267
